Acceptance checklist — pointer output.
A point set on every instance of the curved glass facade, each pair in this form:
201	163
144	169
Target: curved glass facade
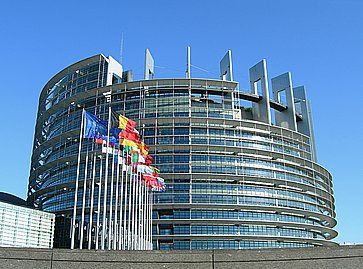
232	181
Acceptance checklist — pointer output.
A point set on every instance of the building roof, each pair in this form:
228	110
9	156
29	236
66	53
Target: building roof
12	199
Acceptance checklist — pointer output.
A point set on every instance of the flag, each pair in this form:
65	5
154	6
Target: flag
158	188
94	126
128	160
160	180
127	148
141	159
153	181
129	144
129	135
148	160
126	124
158	185
144	148
141	168
149	179
134	157
115	132
99	140
155	170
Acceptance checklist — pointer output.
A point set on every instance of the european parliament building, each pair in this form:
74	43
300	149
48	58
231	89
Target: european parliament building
240	165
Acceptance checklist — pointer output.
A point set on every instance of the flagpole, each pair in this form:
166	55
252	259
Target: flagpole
125	207
144	216
98	183
139	212
136	213
106	177
92	198
89	235
134	182
151	219
141	215
83	201
99	204
150	216
129	211
121	197
147	218
77	181
110	228
136	219
115	230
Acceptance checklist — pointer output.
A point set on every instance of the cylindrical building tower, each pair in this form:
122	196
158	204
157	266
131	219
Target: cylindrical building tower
237	176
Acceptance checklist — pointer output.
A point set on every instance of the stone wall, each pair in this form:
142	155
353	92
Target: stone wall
345	257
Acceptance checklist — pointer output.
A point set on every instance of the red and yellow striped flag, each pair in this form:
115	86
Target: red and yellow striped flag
126	123
129	143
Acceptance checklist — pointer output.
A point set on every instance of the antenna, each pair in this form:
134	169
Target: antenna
121	47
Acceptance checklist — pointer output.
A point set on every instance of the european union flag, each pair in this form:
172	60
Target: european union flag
96	128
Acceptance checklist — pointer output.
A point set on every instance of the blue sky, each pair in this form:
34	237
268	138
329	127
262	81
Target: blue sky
320	42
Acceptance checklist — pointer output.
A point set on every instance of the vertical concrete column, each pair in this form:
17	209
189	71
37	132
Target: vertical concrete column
286	118
225	66
188	72
305	126
312	136
149	65
114	68
261	110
